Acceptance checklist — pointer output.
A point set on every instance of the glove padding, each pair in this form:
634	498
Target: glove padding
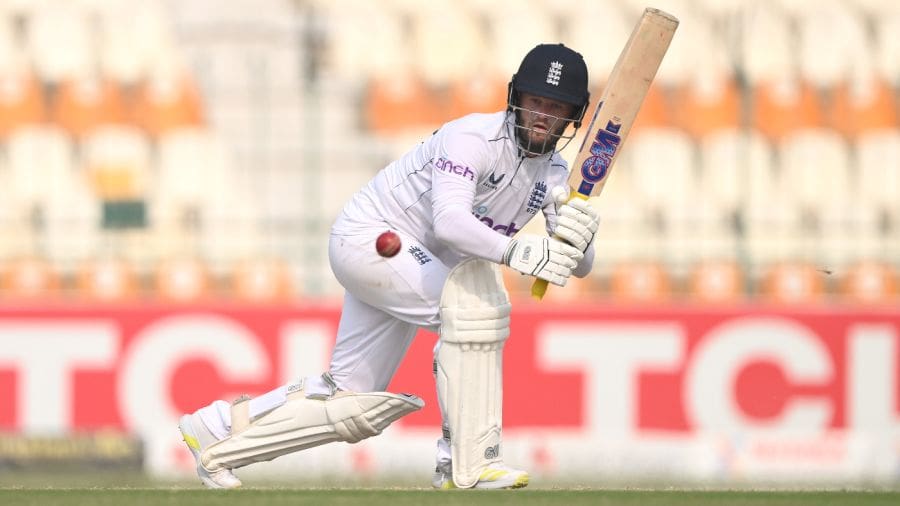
576	221
542	257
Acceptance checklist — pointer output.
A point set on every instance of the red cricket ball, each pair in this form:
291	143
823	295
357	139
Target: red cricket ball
388	244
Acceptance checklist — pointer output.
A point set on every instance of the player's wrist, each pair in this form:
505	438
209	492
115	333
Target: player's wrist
510	251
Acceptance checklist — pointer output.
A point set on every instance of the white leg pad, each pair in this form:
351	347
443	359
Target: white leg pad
302	423
474	326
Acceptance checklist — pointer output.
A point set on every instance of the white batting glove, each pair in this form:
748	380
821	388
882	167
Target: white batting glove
576	221
542	257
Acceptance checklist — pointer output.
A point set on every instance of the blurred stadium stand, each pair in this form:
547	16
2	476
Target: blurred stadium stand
190	149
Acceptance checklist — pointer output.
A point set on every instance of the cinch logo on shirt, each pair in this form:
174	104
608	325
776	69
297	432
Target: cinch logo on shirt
446	165
509	230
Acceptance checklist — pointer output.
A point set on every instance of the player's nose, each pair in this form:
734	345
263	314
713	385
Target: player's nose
544	108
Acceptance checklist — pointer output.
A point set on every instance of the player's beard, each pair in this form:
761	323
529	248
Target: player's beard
538	133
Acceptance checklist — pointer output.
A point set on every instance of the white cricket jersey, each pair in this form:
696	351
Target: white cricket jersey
462	192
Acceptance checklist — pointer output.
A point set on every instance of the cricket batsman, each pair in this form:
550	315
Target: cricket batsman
457	202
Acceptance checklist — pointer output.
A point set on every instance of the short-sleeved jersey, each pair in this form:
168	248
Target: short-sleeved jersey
465	191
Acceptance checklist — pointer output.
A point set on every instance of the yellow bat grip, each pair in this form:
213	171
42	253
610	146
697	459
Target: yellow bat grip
539	287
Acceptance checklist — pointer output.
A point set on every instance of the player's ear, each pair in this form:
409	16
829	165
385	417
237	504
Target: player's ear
580	116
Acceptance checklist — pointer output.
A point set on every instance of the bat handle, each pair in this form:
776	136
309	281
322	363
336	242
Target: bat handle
539	287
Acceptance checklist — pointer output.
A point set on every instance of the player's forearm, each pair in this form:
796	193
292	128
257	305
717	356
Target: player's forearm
465	234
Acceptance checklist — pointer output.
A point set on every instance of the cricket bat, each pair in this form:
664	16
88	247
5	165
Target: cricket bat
617	108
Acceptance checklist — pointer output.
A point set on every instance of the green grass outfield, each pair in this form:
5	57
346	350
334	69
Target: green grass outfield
416	497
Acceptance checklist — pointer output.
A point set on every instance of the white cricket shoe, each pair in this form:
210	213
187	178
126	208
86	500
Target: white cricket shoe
198	438
495	476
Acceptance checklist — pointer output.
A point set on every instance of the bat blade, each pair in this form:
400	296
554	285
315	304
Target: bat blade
618	107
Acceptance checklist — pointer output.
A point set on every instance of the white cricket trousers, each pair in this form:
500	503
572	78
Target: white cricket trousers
387	300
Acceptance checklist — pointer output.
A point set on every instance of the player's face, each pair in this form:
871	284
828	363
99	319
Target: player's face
543	120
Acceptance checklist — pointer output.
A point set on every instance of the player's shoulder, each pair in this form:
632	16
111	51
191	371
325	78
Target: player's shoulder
487	126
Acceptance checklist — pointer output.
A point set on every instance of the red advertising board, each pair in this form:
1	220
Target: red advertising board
600	370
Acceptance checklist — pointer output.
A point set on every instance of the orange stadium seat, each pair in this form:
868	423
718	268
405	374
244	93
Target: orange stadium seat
640	281
863	106
703	107
717	281
655	111
182	280
107	279
466	96
262	280
793	282
396	104
782	107
869	281
167	100
86	103
29	278
21	102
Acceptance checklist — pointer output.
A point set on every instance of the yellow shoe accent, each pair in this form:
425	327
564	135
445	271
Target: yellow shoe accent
490	478
223	478
491	474
521	481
